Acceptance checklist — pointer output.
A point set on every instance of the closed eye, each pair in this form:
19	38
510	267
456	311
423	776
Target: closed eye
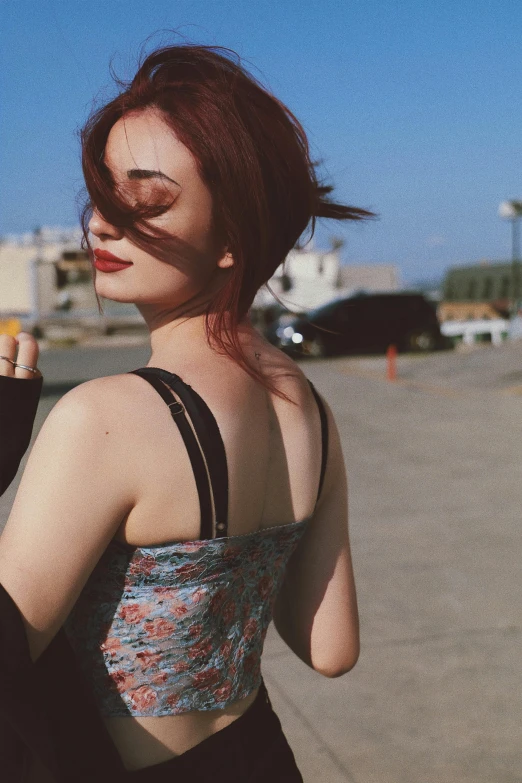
149	174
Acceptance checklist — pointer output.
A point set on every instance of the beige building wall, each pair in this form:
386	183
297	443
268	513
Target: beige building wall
16	289
15	283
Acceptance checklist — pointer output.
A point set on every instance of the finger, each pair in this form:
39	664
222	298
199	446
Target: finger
7	348
28	352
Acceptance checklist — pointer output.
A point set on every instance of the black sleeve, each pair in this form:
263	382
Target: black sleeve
19	399
48	711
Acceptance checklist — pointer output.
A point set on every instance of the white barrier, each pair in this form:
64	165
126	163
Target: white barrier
495	330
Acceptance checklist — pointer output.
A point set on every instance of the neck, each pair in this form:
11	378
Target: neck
176	336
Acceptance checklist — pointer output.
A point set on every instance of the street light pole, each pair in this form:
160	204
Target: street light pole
512	210
515	261
35	264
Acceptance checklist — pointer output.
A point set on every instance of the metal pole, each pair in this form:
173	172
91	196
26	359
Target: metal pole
515	237
35	288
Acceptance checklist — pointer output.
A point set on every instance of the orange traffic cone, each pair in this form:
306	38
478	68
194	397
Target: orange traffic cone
391	363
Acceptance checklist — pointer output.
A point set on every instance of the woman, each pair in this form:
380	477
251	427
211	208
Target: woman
163	551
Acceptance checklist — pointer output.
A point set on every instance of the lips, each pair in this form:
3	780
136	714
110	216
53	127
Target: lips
107	262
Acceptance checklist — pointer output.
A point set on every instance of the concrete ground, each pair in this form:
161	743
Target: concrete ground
434	465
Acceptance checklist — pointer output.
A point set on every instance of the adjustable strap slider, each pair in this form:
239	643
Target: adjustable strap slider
176	407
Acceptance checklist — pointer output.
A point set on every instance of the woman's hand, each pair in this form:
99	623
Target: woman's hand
28	351
18	401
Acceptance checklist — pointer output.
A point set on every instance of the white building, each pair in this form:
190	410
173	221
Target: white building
310	278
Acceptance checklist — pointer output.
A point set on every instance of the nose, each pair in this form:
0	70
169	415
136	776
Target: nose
102	229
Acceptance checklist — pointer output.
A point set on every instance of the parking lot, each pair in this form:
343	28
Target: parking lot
434	465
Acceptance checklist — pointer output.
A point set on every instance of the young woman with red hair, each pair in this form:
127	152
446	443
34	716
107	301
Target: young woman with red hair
167	514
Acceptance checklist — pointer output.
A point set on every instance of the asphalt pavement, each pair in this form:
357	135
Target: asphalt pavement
434	464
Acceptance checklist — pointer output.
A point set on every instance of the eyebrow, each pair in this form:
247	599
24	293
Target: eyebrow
148	174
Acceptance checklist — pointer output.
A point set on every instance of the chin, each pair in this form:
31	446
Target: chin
115	295
122	299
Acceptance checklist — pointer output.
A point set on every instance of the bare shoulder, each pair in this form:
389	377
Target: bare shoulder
286	374
118	397
103	417
101	395
99	408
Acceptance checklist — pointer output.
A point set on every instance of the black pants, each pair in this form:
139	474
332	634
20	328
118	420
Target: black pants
251	749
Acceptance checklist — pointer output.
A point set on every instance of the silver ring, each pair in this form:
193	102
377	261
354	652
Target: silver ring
25	367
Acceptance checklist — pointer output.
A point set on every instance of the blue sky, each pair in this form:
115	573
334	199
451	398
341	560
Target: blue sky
414	105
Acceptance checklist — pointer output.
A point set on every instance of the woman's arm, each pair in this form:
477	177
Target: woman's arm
72	497
316	610
20	392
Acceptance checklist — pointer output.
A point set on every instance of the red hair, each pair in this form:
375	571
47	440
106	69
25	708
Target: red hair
251	152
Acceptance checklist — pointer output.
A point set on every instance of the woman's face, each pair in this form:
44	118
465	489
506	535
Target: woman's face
149	164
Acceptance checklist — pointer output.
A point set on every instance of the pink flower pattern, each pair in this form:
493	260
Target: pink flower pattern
133	613
143	697
168	629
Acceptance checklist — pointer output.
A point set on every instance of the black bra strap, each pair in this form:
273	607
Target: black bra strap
210	446
324	437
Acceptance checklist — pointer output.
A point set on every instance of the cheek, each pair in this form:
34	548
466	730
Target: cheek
192	249
171	277
171	281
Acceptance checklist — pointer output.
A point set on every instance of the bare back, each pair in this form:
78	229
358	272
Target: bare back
272	448
273	451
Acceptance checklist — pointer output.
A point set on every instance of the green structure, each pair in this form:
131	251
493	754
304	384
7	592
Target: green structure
485	282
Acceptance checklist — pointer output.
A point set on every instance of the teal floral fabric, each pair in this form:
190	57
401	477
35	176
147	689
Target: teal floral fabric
167	629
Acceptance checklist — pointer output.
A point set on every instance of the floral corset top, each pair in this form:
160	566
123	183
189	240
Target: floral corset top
170	628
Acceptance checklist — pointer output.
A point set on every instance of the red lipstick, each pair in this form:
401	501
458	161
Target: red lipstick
107	262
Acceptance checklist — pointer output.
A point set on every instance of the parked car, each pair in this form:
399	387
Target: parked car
364	323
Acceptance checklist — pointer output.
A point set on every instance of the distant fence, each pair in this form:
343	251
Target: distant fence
88	321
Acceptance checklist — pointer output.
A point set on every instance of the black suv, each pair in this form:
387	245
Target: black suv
361	324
